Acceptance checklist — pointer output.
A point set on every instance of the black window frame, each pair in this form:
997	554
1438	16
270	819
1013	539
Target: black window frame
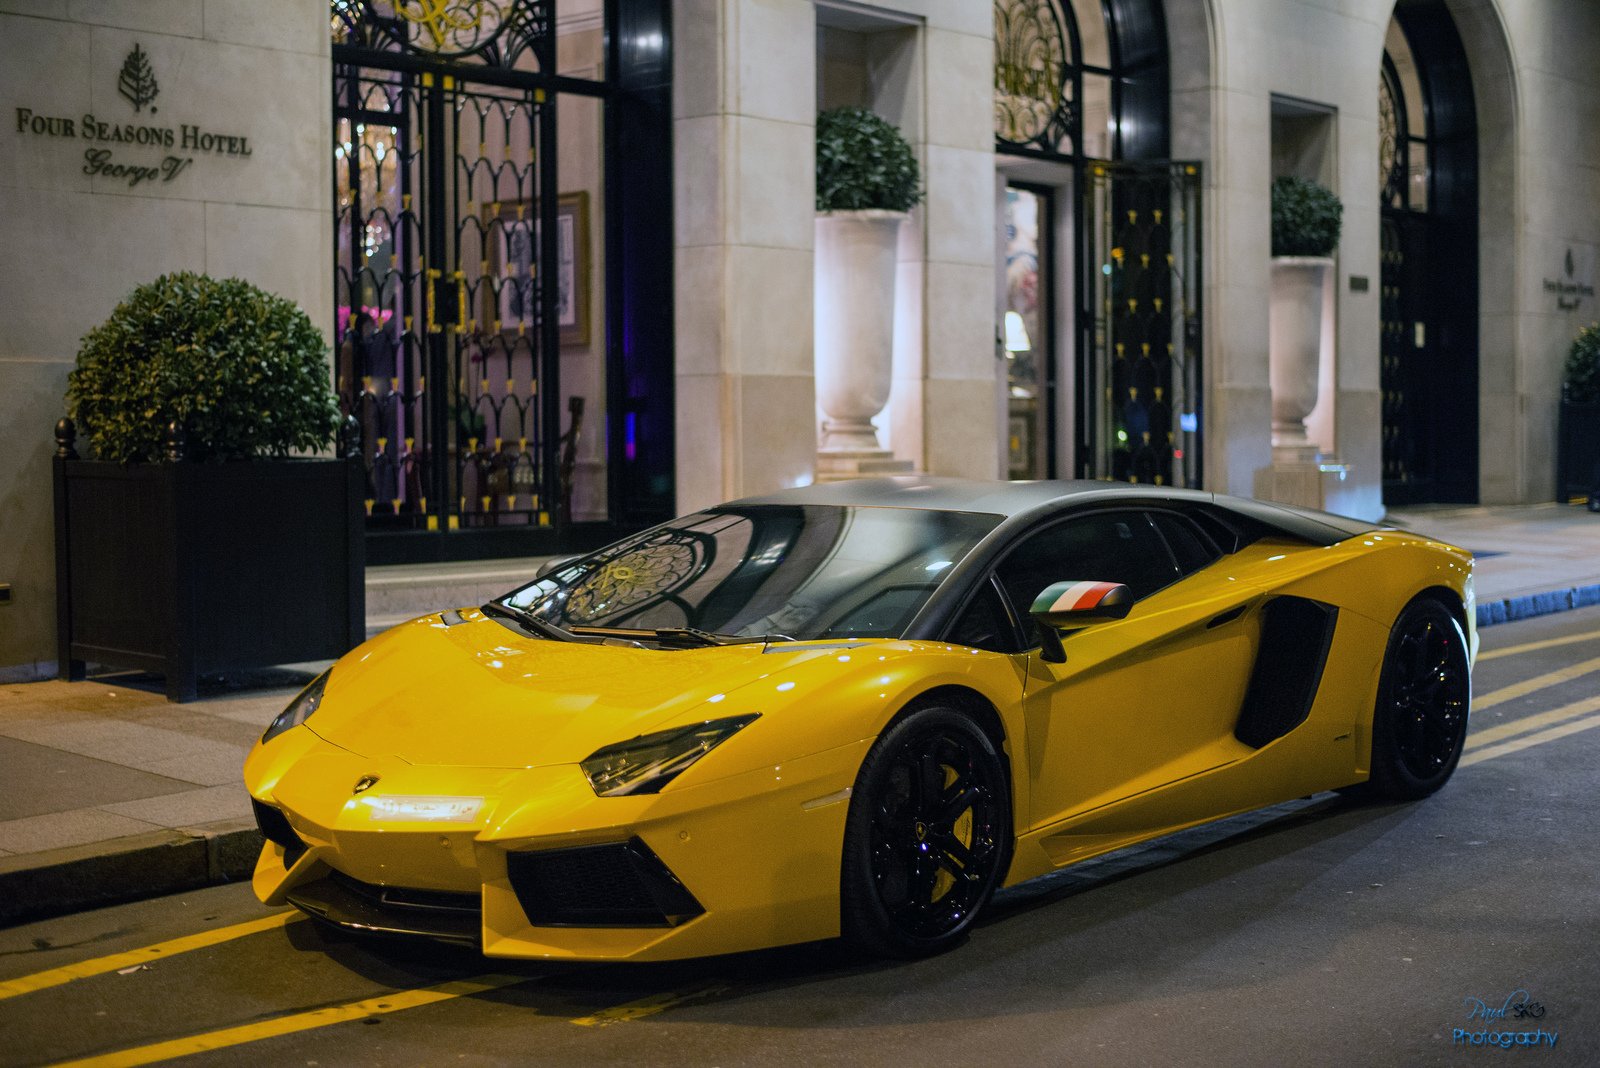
1018	632
1043	528
1022	627
1200	533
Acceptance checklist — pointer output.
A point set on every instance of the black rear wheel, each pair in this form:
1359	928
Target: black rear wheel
926	835
1420	723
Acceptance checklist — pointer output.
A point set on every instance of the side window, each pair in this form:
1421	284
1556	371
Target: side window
984	623
1105	547
1192	549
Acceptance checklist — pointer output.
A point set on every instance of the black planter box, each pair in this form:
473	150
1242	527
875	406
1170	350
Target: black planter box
1578	451
192	569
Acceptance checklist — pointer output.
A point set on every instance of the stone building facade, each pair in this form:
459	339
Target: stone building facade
1459	134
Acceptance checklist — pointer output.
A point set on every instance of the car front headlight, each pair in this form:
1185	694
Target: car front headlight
305	702
645	764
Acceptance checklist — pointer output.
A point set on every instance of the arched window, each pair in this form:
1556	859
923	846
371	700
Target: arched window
1403	166
1428	247
1080	78
1082	86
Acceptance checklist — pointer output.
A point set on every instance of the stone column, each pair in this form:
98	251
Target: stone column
744	110
958	427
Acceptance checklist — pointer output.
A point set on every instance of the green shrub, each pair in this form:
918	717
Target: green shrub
243	370
1583	366
864	162
1305	218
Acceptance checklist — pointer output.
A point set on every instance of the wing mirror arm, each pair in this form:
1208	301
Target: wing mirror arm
1075	604
1051	651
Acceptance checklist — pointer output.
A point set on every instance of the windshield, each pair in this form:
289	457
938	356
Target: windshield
807	571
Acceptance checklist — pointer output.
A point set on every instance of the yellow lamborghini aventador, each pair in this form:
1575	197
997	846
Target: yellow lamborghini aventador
856	710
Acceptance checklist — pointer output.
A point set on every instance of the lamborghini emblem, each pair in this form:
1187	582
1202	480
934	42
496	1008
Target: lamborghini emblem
365	783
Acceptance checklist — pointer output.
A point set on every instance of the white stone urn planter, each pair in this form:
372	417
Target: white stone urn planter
856	257
1295	322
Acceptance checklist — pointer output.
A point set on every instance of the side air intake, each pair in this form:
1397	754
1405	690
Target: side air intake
1296	634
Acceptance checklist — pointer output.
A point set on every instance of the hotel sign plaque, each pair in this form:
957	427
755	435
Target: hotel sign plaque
116	149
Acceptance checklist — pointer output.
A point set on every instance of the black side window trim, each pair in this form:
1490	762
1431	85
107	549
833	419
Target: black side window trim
1204	538
1018	632
1142	512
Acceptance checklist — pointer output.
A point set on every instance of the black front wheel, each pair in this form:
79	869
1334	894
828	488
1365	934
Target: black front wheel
1420	723
926	835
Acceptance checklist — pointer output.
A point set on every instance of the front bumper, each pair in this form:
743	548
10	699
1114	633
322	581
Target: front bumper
544	868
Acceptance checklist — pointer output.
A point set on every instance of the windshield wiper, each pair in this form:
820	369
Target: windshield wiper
528	621
692	636
706	637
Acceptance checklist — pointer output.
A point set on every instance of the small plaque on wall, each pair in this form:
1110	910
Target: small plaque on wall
1358	283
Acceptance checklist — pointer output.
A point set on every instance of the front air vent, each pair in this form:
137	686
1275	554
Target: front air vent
275	827
618	885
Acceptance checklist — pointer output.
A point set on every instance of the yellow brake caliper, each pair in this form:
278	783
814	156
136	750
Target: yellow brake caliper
962	830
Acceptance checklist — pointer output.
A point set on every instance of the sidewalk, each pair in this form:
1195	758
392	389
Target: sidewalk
109	793
1533	559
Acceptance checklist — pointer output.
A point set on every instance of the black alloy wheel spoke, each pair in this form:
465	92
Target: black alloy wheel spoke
953	854
961	796
914	839
930	784
924	876
892	827
1428	695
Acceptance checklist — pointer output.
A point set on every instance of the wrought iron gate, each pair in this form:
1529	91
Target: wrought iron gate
461	268
1139	407
448	342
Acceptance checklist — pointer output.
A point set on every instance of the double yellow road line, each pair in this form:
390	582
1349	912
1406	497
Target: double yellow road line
133	958
1529	731
300	1021
375	1006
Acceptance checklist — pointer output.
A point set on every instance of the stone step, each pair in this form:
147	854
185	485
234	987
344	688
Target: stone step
838	465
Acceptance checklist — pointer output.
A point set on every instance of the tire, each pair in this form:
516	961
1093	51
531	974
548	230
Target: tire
926	837
1424	693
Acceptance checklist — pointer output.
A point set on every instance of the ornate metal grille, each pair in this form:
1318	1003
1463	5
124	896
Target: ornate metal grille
379	251
496	33
444	219
1403	345
1394	139
1399	444
1144	324
1035	73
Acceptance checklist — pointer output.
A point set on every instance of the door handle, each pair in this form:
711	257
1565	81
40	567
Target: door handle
1227	617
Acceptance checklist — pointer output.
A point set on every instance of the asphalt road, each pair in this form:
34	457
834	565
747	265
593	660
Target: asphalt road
1317	933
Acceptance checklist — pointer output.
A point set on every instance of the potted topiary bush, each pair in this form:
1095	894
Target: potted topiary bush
867	182
200	536
1305	231
1578	430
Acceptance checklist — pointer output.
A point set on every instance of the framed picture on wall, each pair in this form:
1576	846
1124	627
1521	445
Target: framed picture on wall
510	295
572	267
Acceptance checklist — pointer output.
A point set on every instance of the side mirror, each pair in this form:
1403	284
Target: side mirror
1069	604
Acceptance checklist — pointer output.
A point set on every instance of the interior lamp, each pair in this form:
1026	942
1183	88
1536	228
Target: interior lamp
1016	334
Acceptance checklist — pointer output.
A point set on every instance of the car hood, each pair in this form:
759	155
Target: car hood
477	693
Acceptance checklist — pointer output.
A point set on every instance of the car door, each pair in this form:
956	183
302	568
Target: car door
1141	702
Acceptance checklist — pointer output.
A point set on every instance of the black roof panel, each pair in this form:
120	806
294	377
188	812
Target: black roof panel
965	494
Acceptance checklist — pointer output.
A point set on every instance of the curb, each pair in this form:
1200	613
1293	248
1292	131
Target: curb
37	886
1512	609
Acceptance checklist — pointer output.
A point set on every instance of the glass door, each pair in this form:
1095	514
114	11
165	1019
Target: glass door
1028	330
